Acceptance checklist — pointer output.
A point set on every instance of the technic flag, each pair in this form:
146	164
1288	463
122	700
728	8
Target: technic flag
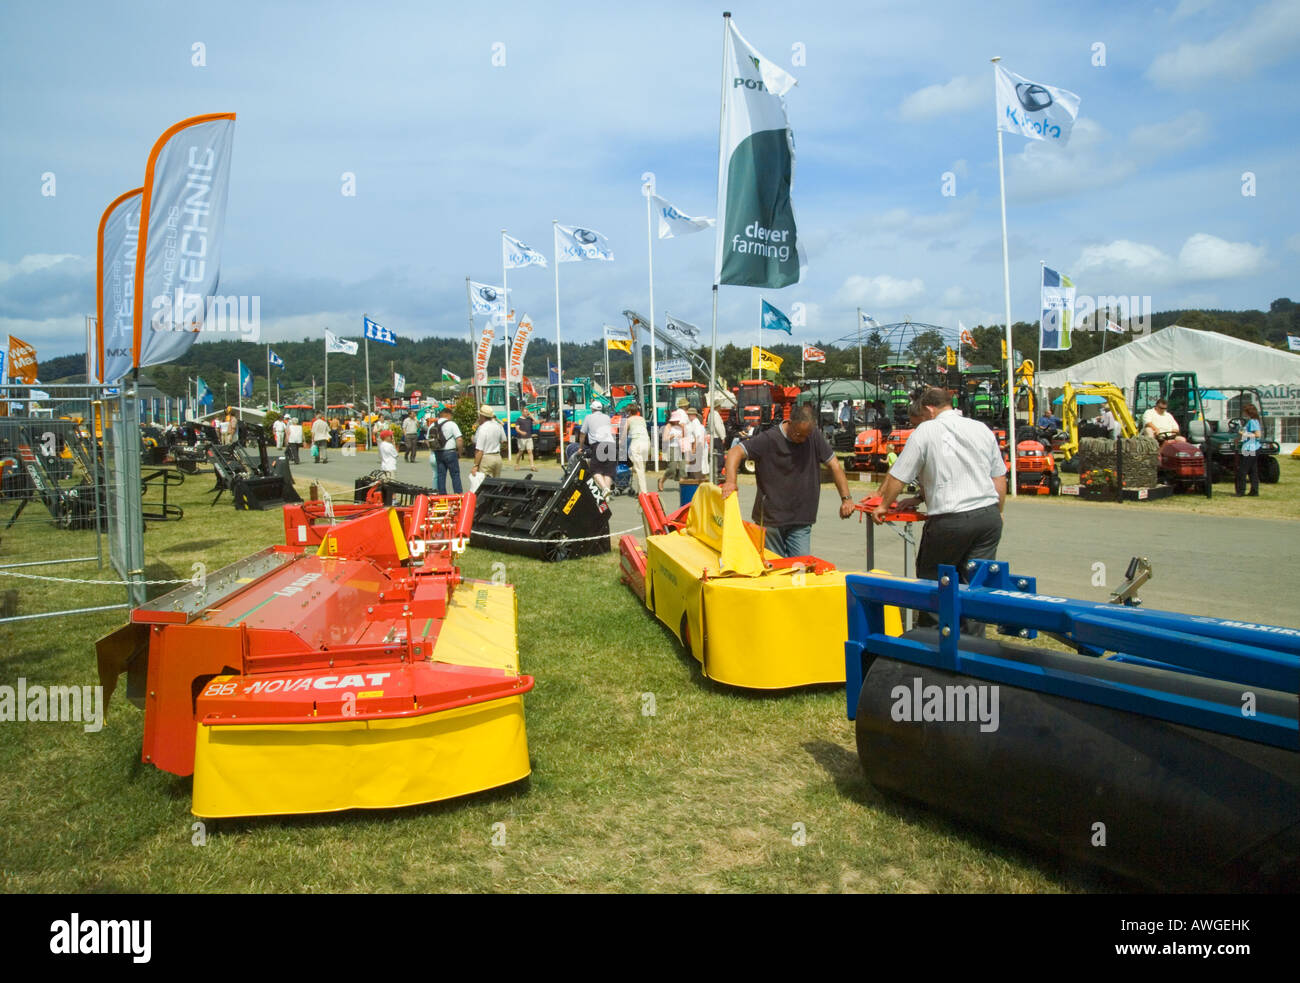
487	299
773	320
574	244
448	376
764	360
518	349
245	379
22	361
618	339
757	244
399	382
115	257
377	332
1039	112
275	359
183	206
483	352
811	354
203	395
673	223
333	343
1058	311
967	339
515	254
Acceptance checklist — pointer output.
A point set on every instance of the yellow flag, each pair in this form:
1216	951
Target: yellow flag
952	357
619	344
764	360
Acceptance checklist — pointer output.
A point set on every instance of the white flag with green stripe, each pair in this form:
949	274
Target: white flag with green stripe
757	244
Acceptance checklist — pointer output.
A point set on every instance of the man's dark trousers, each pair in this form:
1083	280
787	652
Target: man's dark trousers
957	537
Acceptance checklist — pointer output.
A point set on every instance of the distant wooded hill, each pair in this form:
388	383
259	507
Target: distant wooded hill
422	361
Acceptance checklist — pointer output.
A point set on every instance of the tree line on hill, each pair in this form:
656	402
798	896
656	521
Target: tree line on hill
423	360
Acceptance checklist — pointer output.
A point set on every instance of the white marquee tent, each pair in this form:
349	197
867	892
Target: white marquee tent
1217	359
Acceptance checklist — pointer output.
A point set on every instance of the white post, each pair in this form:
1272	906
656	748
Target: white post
559	359
1042	267
717	226
239	387
861	377
758	374
654	389
325	396
1006	290
505	290
370	406
268	377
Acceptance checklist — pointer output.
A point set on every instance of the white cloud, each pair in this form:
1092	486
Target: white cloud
1269	34
883	291
36	262
1188	130
1190	8
963	92
1202	257
1042	171
1207	257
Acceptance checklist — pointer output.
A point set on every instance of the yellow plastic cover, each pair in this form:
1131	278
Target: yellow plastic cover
717	523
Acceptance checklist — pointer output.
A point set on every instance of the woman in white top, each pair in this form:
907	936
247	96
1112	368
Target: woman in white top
387	453
638	446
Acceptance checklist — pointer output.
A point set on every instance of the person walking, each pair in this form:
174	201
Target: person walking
637	438
717	431
524	426
695	444
597	433
278	428
488	439
1248	451
387	454
957	463
674	460
294	440
788	460
446	443
410	437
320	440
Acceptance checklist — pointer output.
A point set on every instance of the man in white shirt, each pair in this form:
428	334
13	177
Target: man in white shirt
410	438
697	439
598	434
278	428
387	454
1158	420
956	462
488	439
446	441
294	437
717	428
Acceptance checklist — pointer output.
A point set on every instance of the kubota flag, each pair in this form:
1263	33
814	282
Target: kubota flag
184	217
116	250
22	361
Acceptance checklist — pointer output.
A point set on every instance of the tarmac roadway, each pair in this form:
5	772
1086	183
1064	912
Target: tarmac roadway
1227	567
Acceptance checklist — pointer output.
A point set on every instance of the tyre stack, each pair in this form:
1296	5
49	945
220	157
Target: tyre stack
1141	456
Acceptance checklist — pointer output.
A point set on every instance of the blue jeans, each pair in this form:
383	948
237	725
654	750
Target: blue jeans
789	541
448	461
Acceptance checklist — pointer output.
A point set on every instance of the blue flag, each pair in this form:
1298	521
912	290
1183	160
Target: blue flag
377	332
552	376
204	393
774	320
245	380
275	359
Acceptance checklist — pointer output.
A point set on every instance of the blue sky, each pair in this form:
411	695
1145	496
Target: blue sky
448	148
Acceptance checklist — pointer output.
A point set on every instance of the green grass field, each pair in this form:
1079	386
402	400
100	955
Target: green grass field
703	795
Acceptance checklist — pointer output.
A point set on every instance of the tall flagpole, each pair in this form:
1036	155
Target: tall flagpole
268	377
1006	290
239	371
654	389
722	113
505	299
861	377
325	395
1042	272
370	406
469	303
559	359
758	374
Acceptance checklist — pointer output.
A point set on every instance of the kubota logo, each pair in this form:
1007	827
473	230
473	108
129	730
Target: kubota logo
1033	97
584	236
